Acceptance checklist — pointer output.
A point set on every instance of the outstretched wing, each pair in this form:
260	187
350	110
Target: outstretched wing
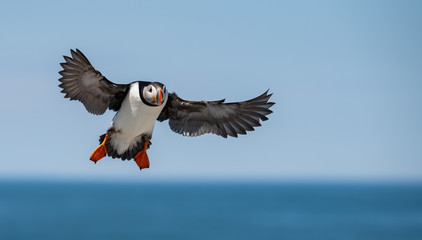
80	81
195	118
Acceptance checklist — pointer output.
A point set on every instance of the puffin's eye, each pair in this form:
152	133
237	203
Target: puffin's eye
150	90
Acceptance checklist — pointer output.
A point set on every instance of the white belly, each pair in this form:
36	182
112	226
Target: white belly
133	120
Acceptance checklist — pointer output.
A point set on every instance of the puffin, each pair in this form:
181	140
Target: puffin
140	104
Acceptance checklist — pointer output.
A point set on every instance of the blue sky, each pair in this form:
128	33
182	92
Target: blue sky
346	77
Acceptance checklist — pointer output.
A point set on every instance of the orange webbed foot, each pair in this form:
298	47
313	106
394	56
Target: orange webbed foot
141	157
100	151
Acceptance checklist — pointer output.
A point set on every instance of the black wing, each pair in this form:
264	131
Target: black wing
194	118
82	82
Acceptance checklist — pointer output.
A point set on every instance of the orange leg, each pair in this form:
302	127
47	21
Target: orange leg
100	151
141	157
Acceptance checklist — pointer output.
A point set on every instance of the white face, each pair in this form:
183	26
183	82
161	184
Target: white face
149	92
153	95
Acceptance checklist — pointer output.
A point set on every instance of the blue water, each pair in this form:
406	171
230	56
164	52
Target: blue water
88	210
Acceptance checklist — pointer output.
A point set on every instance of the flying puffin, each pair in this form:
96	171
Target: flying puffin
140	104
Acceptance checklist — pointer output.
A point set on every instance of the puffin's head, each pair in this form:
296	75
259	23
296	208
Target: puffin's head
154	94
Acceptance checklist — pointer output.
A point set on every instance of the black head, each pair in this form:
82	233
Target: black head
153	93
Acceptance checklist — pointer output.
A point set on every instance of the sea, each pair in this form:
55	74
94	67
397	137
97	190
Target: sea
209	210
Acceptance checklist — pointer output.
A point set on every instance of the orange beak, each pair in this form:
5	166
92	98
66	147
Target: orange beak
160	96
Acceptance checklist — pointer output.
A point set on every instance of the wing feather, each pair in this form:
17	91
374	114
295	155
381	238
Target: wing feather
194	118
81	81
